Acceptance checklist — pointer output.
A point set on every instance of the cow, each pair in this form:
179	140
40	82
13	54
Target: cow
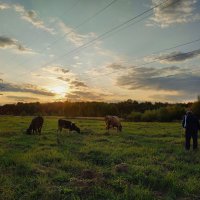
35	126
67	125
112	122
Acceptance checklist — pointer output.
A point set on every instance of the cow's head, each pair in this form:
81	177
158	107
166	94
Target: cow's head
28	131
75	128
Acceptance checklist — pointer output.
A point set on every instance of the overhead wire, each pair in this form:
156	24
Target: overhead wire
52	22
75	28
159	58
106	33
179	45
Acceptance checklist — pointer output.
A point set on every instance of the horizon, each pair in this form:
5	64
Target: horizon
108	51
111	102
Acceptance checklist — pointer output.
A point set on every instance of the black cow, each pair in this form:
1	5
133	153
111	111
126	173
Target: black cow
67	125
35	126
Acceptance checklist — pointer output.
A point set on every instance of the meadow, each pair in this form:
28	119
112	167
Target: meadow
145	161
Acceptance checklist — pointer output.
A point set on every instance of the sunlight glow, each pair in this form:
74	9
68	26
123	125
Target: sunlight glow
60	90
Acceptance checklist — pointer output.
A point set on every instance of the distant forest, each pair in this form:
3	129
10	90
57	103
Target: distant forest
130	110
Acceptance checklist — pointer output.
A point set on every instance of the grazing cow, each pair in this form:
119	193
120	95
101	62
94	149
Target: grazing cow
67	125
35	126
113	121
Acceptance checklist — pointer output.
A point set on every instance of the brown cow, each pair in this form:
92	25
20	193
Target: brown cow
113	121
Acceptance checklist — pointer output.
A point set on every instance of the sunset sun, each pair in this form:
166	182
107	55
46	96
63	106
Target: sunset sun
59	90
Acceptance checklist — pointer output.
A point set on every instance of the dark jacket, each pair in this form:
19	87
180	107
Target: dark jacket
190	122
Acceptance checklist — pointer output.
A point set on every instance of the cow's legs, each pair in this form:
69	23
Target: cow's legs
59	129
108	126
59	134
39	130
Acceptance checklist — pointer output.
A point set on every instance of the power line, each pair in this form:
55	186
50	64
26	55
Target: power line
84	22
115	28
122	28
157	58
107	32
76	27
66	11
168	57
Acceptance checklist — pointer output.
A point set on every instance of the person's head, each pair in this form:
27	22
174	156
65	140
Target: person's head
189	112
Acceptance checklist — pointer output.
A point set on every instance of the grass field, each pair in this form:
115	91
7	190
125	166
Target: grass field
145	161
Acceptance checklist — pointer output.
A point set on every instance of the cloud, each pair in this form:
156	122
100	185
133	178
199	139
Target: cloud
23	98
63	79
86	96
27	88
169	78
4	6
116	66
59	69
174	12
66	76
32	17
6	42
78	84
28	15
72	83
179	56
74	37
56	70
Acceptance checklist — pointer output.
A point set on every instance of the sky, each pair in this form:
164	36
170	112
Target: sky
91	50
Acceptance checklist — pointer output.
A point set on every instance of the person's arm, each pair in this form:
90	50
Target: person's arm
183	122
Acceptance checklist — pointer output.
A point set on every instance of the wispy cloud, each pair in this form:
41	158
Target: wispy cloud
6	42
173	57
73	83
116	66
73	36
23	98
77	84
63	78
179	56
32	17
59	69
27	88
65	75
168	78
4	6
56	70
28	15
173	12
86	95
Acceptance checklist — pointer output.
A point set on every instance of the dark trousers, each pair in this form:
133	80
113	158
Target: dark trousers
188	136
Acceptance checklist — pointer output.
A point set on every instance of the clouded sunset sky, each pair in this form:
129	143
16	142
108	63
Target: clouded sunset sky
99	50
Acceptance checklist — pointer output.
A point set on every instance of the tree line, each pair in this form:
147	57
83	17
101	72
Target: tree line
129	110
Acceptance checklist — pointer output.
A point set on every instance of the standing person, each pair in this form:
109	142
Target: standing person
191	124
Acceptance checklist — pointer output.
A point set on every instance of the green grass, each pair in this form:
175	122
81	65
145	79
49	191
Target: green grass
83	166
